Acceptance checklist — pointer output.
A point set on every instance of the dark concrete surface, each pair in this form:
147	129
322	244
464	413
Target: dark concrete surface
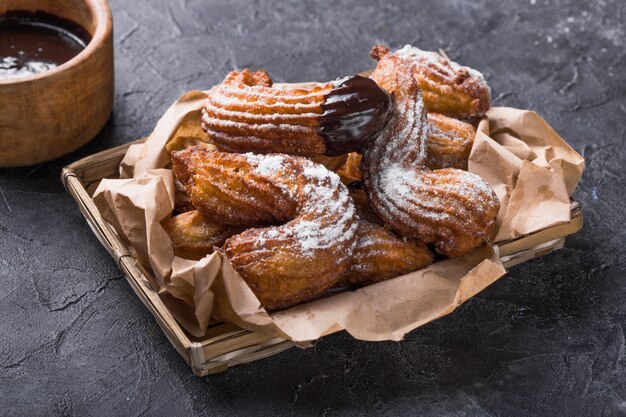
547	340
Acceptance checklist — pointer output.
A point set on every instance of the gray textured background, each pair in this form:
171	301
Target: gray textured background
546	340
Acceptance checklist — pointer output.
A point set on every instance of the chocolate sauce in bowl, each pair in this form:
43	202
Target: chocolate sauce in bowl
31	43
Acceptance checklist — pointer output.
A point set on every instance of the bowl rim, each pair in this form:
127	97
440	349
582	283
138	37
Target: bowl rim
100	10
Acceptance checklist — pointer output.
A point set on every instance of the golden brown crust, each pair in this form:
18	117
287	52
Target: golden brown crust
454	209
181	142
449	142
194	237
246	113
447	87
182	201
332	163
380	255
350	171
378	52
285	264
362	206
230	194
347	166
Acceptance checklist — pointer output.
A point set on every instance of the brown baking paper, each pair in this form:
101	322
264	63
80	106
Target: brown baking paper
530	167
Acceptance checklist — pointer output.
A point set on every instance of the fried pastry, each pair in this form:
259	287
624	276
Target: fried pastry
380	255
449	142
182	201
453	209
219	191
288	263
194	237
350	171
247	113
447	87
362	206
347	166
181	142
332	163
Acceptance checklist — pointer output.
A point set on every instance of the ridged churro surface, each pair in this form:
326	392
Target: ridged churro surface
247	113
312	223
447	87
453	209
449	142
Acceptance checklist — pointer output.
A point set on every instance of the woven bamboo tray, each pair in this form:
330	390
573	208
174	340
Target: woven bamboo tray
224	345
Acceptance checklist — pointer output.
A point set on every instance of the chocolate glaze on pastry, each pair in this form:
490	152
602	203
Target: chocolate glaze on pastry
355	110
248	113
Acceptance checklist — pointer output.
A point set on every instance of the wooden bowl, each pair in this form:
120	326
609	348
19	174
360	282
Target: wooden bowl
50	114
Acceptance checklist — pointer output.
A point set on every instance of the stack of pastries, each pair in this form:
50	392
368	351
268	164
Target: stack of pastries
306	187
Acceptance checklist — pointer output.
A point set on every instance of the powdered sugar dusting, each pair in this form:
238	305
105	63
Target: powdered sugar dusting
434	206
325	196
434	128
326	215
224	124
405	135
320	173
446	68
222	99
266	164
395	181
474	186
430	194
